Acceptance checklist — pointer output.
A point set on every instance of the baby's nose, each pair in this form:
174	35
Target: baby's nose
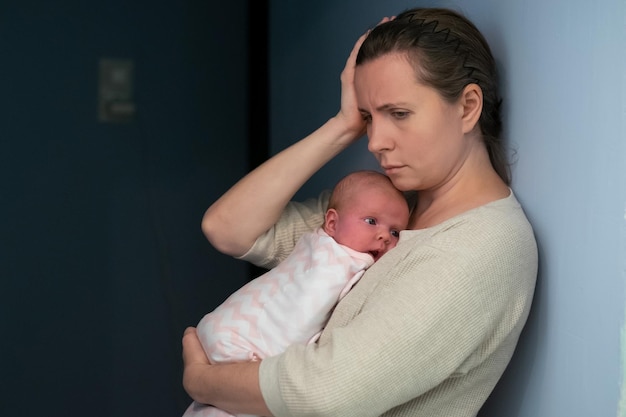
385	236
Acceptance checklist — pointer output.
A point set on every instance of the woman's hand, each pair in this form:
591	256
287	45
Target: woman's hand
195	363
233	387
349	112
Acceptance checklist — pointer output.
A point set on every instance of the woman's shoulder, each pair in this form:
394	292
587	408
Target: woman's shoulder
502	215
492	244
500	226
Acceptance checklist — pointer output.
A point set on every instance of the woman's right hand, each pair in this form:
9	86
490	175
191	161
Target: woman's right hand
349	112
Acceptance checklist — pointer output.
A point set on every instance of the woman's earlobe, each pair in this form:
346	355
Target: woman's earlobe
472	101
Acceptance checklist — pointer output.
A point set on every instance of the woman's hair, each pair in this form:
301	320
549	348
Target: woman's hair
447	53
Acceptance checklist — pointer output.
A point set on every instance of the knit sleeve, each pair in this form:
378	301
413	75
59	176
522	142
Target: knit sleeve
277	243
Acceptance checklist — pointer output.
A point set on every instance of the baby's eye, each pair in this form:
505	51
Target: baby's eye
370	220
395	233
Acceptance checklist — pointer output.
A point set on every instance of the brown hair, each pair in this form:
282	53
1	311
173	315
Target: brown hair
447	53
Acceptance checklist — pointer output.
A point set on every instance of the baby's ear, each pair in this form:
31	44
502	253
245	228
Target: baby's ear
330	222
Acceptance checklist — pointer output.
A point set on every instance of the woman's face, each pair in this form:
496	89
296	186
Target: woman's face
417	136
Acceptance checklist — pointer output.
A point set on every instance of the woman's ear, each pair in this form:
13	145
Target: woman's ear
472	102
330	222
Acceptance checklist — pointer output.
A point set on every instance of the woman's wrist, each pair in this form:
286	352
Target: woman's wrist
197	382
233	387
342	132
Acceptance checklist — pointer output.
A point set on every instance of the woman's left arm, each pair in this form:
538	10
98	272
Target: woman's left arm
233	387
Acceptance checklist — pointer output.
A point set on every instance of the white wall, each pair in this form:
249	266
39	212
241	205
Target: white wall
563	66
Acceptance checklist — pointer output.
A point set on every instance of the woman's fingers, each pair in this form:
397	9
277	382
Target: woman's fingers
192	349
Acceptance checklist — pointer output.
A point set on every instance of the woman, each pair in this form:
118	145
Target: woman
430	327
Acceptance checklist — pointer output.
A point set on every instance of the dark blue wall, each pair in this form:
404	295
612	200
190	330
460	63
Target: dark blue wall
102	261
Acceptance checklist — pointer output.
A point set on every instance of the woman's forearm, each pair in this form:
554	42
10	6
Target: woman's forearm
234	222
233	387
255	203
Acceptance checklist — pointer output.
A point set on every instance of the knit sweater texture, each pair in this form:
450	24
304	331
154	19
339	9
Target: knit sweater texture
426	332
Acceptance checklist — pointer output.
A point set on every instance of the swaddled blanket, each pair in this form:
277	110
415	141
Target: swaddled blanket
288	304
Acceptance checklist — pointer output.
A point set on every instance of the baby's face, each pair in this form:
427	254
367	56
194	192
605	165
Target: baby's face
372	222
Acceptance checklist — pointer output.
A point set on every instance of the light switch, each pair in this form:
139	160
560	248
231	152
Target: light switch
115	91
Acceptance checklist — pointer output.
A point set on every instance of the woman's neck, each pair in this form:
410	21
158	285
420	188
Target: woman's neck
436	206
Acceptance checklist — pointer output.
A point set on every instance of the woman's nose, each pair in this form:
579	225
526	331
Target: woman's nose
376	142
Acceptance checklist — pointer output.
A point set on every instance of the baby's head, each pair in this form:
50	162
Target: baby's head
366	213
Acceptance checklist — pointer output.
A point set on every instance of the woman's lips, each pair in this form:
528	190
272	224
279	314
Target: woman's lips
391	169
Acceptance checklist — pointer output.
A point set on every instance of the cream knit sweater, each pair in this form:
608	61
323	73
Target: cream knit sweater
427	331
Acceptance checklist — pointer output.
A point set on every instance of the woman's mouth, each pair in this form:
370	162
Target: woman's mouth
391	169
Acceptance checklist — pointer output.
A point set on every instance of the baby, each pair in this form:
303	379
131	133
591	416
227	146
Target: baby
292	302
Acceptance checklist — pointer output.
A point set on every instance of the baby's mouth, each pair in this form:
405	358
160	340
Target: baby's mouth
374	254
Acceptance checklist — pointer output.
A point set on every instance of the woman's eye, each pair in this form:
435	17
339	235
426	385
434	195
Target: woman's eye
400	114
370	220
366	117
